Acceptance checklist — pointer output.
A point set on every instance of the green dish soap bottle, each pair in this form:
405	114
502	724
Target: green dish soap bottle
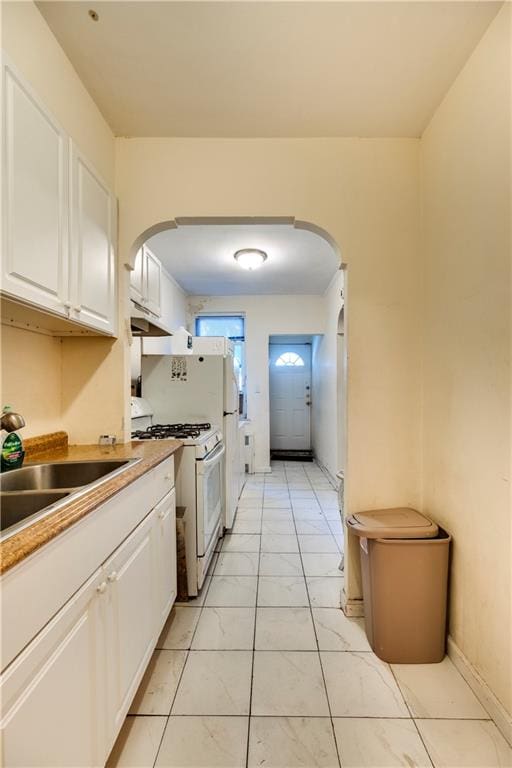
12	453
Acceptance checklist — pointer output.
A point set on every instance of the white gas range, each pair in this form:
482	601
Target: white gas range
199	483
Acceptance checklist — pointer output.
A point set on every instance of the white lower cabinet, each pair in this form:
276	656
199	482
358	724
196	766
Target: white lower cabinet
54	694
130	592
65	697
140	586
165	542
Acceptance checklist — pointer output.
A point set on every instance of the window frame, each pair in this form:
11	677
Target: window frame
236	340
297	363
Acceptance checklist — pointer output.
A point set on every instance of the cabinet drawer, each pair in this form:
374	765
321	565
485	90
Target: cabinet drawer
163	479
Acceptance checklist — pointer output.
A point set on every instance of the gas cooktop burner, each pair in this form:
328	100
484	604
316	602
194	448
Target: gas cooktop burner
163	431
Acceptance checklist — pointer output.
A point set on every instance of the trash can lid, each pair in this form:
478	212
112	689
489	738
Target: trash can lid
395	523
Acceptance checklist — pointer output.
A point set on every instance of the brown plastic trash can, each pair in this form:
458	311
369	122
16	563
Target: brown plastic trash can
404	565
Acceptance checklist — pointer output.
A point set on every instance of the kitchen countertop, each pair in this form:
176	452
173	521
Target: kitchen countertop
14	549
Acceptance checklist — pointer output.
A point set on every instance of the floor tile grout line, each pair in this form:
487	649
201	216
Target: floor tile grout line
252	661
405	718
203	606
338	751
187	652
319	656
411	715
213	565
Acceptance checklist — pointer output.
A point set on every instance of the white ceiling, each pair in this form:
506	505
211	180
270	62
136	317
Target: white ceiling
268	68
200	258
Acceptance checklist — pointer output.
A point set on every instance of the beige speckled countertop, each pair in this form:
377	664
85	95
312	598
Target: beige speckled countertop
31	538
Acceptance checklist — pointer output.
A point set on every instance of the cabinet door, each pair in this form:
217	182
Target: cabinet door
92	239
54	693
165	560
136	278
132	608
153	280
35	200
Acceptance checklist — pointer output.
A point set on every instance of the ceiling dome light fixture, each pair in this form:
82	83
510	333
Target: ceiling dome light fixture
250	258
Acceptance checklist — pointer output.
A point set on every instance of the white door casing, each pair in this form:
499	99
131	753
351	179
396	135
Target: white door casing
290	396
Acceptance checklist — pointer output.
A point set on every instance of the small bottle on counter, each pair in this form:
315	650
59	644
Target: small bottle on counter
12	453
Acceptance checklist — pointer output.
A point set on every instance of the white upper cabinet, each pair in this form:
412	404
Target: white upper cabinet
93	287
58	217
146	281
35	200
137	278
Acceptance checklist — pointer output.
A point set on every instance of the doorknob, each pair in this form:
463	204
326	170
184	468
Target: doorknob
308	402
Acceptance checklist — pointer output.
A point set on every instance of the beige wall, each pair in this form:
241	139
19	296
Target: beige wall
93	370
465	165
264	316
31	378
364	193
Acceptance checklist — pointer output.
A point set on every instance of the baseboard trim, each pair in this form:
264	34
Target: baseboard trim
481	690
263	470
324	469
351	607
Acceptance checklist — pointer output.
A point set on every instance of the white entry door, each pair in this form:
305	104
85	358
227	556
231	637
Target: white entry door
290	397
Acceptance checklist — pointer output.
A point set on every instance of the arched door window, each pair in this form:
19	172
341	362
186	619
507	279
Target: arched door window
289	359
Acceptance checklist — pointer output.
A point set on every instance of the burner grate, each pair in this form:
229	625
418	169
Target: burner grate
163	431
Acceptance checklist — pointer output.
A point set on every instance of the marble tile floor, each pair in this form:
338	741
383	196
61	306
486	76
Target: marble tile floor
264	669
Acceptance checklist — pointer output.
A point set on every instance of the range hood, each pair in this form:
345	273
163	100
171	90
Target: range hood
143	323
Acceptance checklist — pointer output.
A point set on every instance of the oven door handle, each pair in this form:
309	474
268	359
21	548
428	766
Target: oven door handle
212	458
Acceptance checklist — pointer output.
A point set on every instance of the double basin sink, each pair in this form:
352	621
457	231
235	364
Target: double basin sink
32	492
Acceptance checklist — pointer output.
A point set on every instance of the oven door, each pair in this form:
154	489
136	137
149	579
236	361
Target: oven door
210	497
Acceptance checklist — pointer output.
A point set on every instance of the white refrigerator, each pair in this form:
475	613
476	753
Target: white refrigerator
197	388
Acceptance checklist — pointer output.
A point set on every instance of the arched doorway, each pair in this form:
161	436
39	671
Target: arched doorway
328	340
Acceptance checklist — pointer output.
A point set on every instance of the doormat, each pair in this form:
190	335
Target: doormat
292	455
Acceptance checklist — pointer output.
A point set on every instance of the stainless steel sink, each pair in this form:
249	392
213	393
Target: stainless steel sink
65	474
17	507
32	492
